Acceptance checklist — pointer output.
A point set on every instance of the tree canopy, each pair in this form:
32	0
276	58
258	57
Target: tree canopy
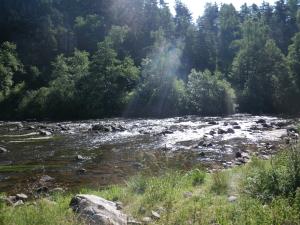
96	58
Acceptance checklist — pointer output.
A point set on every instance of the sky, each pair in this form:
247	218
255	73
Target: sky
197	6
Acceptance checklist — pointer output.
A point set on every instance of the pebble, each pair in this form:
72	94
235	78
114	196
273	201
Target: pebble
155	215
232	198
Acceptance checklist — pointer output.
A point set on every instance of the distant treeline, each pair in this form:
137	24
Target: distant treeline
66	59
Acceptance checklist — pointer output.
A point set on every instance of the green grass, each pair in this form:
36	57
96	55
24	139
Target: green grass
267	193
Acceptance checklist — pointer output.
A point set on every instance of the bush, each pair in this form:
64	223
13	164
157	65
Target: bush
279	178
209	94
197	177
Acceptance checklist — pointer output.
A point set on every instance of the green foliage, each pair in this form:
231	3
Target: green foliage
116	38
160	92
260	72
9	66
197	176
42	213
209	94
280	178
220	183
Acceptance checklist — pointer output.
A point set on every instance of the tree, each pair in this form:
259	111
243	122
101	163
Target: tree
103	92
294	58
259	71
229	31
160	92
10	65
209	94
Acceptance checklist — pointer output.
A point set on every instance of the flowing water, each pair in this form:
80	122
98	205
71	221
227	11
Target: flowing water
76	155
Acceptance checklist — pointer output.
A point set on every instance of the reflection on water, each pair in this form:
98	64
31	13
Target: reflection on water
63	150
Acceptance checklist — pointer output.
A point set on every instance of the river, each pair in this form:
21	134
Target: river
97	153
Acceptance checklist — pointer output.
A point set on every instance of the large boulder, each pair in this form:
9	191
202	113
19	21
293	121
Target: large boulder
97	210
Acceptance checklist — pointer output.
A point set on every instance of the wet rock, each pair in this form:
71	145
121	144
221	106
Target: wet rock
254	127
234	123
221	131
212	122
46	178
22	197
31	128
238	155
237	127
205	144
3	150
225	124
212	132
281	124
230	131
155	215
166	132
261	121
266	125
97	210
45	133
232	198
101	127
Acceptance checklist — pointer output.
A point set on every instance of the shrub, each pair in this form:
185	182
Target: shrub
280	178
220	183
196	176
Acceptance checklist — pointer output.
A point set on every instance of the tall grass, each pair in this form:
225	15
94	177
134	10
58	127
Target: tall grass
269	194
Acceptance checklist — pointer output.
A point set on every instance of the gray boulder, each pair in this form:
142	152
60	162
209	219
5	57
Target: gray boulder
97	210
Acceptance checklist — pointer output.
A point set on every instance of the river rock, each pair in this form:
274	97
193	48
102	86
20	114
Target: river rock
221	131
155	215
97	211
234	123
261	121
237	127
101	127
22	197
238	154
45	133
18	203
46	178
292	129
213	123
230	131
232	198
3	150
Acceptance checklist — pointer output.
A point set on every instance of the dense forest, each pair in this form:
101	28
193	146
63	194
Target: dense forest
66	59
